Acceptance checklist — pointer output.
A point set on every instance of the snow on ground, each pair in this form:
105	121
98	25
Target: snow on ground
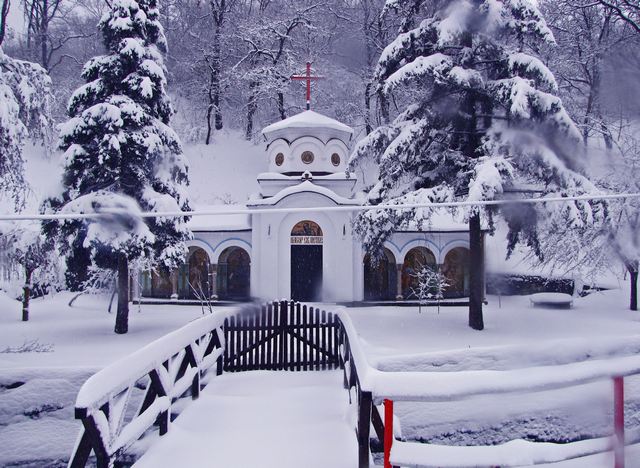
596	319
38	389
82	335
263	419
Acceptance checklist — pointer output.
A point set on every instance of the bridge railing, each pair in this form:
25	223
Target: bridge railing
452	386
372	387
281	335
166	369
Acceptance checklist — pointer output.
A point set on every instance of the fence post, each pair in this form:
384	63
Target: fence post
364	426
388	432
618	421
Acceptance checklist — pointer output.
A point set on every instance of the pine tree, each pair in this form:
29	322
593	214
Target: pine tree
480	116
119	148
25	112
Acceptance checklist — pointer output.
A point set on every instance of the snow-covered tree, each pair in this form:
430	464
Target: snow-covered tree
120	153
478	115
25	245
431	284
25	98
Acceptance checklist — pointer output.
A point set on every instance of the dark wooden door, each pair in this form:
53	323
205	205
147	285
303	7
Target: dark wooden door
306	272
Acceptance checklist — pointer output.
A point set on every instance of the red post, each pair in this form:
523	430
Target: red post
388	432
308	85
618	421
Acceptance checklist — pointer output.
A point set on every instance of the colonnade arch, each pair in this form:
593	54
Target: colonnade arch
393	274
223	273
380	283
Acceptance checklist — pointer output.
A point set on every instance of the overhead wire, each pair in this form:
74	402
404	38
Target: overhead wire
256	208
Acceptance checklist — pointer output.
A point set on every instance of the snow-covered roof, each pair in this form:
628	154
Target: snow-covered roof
220	222
308	187
307	123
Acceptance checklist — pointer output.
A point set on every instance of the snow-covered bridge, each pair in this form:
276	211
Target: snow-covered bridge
249	415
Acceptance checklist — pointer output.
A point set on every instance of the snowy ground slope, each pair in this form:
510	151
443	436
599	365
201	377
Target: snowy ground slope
211	167
262	419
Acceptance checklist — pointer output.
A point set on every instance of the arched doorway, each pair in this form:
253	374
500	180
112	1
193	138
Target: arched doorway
415	259
234	272
306	261
456	269
195	281
380	277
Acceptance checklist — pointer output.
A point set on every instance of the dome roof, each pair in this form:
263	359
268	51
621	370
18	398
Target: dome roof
308	123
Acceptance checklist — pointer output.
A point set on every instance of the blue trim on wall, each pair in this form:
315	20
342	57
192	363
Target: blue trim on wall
231	239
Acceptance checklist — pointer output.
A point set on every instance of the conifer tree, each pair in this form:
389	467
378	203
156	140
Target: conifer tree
120	152
480	117
25	112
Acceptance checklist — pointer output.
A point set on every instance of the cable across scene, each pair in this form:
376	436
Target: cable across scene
350	208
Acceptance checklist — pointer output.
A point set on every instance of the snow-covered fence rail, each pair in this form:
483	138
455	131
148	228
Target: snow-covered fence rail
450	386
373	387
167	369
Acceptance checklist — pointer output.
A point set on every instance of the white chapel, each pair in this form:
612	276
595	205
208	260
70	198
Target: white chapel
278	251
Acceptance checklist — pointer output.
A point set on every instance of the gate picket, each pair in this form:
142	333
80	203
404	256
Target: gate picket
323	338
298	342
316	322
305	334
269	344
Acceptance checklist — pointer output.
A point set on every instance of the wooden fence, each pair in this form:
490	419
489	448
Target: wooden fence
281	336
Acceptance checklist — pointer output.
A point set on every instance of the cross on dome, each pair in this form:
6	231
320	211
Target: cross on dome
308	78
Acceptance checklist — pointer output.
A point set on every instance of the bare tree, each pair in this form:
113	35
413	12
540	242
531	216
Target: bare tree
219	11
627	10
4	13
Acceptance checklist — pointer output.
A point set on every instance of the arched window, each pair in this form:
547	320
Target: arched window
157	283
234	273
415	259
456	269
380	277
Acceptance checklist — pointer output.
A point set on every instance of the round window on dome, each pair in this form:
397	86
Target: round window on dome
279	159
335	159
307	157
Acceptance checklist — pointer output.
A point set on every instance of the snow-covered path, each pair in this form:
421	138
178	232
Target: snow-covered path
262	419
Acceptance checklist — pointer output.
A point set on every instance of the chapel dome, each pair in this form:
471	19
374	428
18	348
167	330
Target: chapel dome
307	142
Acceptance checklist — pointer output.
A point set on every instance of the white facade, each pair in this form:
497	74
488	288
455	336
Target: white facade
307	156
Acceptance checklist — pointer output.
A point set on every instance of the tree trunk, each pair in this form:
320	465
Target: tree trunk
217	70
4	13
281	111
384	108
367	108
122	314
27	294
476	277
633	278
252	107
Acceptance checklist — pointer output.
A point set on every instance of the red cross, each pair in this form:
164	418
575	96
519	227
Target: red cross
308	78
